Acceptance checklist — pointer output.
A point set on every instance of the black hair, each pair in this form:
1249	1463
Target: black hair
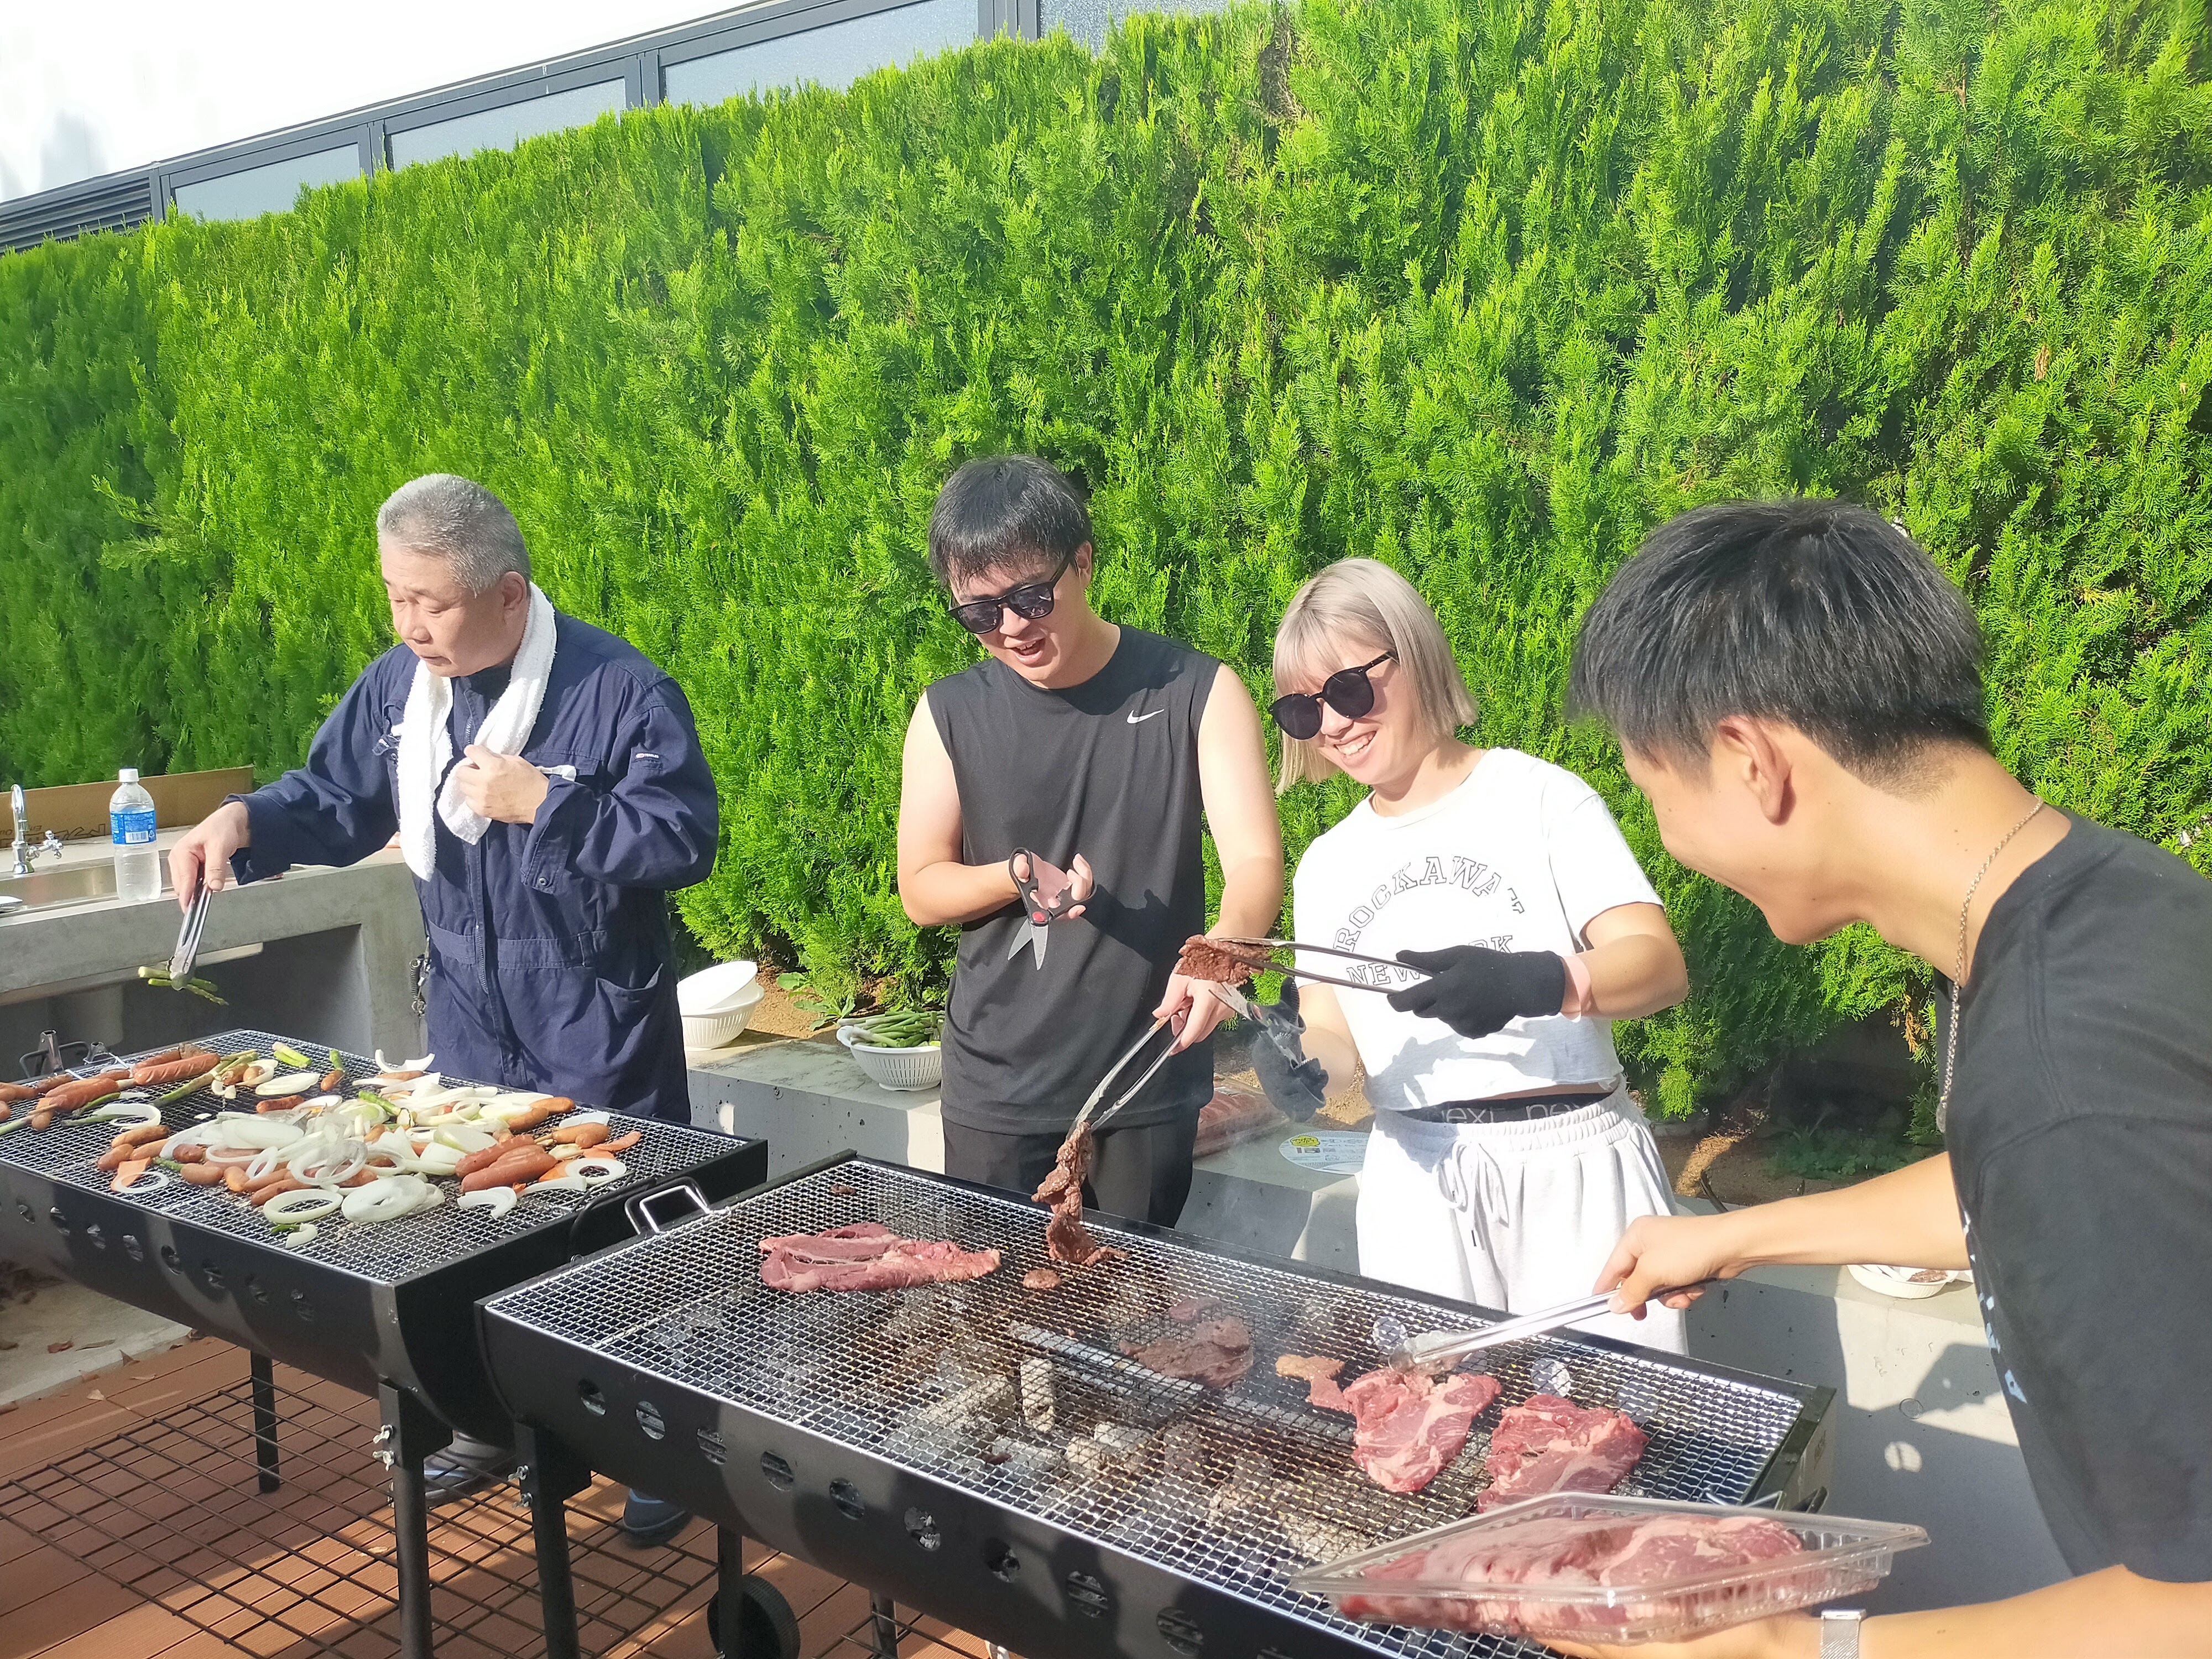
1000	509
1817	613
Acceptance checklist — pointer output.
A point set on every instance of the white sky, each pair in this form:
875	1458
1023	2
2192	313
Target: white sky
94	85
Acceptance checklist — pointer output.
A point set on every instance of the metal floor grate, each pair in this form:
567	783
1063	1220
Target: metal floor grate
171	1510
866	1369
387	1252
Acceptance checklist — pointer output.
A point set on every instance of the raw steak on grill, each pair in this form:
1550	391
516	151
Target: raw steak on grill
1406	1427
1547	1444
1206	1341
866	1256
1556	1553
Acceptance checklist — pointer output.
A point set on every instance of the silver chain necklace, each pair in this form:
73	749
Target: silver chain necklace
1959	978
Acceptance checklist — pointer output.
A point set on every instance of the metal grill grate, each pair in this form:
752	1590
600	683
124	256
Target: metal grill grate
387	1252
866	1369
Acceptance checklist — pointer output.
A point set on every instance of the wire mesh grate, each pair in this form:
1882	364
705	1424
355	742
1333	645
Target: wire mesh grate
171	1510
386	1252
1235	1489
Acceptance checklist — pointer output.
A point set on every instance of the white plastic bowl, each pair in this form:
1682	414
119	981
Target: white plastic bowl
897	1069
718	989
717	1003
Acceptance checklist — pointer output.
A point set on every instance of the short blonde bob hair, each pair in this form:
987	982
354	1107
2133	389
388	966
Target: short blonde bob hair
1365	604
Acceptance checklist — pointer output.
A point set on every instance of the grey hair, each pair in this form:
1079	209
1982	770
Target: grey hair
1364	603
459	521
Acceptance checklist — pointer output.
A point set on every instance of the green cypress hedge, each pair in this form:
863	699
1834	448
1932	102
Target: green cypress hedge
1485	288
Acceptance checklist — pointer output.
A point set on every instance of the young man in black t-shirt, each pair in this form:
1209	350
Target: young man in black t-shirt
1796	687
1098	751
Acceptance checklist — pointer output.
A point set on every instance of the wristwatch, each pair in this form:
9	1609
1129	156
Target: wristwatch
1840	1631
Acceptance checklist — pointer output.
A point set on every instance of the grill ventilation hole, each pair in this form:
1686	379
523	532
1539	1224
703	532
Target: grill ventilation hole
777	1470
1088	1595
212	1274
594	1401
1002	1561
303	1307
60	1221
256	1289
1179	1632
94	1236
921	1527
132	1248
649	1420
846	1497
171	1259
710	1447
26	1211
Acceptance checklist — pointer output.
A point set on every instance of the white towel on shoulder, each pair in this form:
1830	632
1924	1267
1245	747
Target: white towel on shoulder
425	746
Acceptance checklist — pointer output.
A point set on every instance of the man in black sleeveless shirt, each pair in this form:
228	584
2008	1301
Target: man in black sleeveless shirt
1797	689
1096	748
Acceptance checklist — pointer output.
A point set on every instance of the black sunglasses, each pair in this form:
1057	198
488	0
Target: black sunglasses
1031	601
1348	691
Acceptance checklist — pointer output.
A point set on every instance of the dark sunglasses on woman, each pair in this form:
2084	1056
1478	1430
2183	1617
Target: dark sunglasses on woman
1031	601
1348	691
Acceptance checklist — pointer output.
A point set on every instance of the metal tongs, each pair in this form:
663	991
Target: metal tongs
1433	1349
1107	1082
1297	972
187	953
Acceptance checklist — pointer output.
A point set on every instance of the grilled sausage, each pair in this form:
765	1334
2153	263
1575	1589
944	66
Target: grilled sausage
143	1136
151	1074
5	1111
52	1080
12	1091
190	1154
116	1155
202	1175
42	1119
609	1148
582	1135
523	1166
269	1189
332	1081
83	1092
281	1103
233	1177
472	1161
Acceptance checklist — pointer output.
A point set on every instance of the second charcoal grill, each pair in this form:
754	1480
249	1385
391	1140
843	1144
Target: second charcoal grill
882	1435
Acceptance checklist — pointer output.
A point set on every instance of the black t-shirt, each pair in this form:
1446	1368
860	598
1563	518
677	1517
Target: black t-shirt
2081	1141
1108	768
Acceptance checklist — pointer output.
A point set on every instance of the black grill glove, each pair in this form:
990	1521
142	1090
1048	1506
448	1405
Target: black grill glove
1294	1085
1476	990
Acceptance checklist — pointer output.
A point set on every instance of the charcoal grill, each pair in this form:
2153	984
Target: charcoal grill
828	1424
386	1310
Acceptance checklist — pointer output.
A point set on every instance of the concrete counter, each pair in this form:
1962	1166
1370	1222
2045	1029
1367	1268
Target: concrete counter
1921	1431
334	963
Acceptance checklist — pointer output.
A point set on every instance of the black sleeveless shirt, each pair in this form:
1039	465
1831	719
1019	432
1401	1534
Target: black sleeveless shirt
1108	768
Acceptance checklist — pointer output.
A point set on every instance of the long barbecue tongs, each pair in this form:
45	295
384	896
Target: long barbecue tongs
1297	972
182	960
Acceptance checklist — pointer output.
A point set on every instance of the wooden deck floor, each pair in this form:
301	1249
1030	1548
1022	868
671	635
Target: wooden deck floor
111	1471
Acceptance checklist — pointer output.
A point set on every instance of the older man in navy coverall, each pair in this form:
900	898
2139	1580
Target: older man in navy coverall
550	963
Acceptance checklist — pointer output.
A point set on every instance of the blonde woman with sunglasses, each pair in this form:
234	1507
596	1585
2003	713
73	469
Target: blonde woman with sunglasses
1506	1158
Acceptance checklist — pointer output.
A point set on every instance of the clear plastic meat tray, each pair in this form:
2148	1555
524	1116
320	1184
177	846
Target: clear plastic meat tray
1591	1567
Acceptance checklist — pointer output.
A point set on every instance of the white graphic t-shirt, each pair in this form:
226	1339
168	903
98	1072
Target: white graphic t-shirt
1519	857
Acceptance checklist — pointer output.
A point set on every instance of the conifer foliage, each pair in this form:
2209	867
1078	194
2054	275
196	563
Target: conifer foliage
1483	287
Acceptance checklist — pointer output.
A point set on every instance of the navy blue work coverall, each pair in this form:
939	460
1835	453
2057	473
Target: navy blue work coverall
550	966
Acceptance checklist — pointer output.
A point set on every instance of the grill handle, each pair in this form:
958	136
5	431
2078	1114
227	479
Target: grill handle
642	1215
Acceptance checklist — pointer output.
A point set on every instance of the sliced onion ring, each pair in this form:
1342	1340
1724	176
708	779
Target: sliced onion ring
139	1182
595	1168
385	1200
298	1209
299	1237
498	1200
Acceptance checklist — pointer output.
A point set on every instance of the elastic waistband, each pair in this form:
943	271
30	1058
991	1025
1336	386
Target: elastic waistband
1595	1122
1518	1110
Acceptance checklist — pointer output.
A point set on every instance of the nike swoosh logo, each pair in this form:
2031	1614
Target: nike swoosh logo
1139	720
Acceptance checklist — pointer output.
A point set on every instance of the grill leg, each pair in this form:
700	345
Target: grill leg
411	1434
264	1421
885	1618
551	1475
729	1591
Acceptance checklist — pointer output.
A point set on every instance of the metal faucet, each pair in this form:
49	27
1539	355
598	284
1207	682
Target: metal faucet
26	853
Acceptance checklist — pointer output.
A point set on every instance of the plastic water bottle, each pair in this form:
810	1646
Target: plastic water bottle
131	828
